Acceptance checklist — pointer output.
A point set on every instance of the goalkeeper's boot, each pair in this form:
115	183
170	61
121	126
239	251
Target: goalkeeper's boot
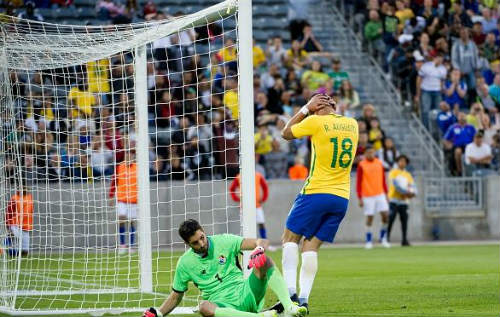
295	311
279	306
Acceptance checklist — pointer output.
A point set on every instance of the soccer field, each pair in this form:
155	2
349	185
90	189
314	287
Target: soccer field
416	281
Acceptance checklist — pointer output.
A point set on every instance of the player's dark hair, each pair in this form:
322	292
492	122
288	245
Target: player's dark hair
188	228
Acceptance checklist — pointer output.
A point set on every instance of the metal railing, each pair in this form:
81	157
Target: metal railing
425	140
452	196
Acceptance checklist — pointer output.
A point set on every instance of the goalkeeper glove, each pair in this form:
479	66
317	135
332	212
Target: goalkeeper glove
152	312
257	258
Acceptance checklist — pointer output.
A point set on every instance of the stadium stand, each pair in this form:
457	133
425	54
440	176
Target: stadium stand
342	59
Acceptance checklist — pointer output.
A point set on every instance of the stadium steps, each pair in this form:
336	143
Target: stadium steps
330	29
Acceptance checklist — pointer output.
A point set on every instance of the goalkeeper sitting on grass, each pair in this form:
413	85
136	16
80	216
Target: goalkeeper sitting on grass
212	265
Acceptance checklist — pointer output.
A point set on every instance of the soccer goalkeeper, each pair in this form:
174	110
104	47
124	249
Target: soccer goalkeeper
212	265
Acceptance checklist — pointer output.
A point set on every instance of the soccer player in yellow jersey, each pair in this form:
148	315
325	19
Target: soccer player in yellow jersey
322	203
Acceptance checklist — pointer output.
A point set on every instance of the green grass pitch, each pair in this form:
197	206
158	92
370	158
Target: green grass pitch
416	281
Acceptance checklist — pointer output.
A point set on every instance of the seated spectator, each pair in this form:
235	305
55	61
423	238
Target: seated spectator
274	96
446	117
314	78
201	130
107	9
348	96
362	146
429	82
259	58
230	99
455	140
29	13
483	95
375	134
494	90
268	78
81	101
197	159
490	48
388	154
263	140
275	162
337	74
459	15
403	13
424	47
455	90
275	52
478	155
296	57
176	168
292	82
367	115
101	158
474	117
427	9
179	135
361	126
478	35
488	22
373	32
228	53
298	171
489	130
308	41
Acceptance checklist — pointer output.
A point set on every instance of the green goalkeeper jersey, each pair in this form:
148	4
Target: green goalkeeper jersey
217	275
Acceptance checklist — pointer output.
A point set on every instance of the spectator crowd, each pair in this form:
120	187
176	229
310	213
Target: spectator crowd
76	123
444	57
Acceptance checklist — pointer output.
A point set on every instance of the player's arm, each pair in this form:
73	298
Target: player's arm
316	103
172	301
251	244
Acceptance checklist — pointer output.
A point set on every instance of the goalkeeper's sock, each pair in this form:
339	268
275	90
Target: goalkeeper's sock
307	274
383	231
231	312
263	233
278	286
132	234
122	233
290	261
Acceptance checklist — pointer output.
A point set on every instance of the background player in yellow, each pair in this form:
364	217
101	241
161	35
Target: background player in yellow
212	265
320	207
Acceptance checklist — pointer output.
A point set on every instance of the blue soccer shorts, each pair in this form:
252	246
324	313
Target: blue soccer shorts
317	215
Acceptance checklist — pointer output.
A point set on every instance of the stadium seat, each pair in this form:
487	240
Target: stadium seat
85	3
67	13
86	12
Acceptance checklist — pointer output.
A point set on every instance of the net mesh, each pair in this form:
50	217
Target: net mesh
68	144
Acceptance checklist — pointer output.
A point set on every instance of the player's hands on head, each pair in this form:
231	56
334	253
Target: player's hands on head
318	102
257	258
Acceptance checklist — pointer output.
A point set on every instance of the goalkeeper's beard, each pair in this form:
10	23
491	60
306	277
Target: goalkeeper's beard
204	250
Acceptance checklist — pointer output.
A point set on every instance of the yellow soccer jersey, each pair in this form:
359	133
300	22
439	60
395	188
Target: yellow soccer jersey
334	141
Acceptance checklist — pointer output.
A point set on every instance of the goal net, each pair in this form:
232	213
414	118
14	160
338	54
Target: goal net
110	137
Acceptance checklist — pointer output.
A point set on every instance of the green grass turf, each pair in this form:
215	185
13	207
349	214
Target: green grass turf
416	281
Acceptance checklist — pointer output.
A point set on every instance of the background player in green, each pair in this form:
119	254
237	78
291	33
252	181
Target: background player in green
212	265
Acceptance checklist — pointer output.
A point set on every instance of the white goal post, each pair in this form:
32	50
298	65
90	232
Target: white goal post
110	137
